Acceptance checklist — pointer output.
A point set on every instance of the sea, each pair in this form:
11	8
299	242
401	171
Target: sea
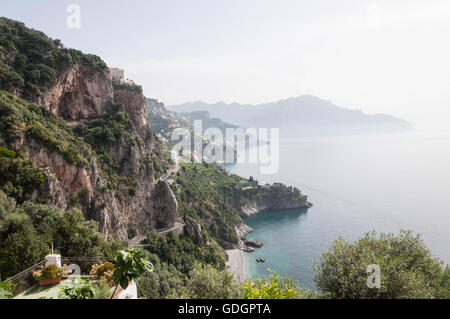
357	184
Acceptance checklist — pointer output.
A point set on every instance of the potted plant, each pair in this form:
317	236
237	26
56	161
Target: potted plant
49	275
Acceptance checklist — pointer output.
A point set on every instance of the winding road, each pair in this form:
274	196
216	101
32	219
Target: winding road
177	228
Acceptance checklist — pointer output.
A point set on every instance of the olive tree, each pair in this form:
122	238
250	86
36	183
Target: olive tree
407	268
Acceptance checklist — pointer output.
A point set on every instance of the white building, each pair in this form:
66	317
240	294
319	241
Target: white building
117	74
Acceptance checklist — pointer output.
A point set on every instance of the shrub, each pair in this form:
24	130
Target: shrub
207	282
102	290
50	272
78	289
103	272
18	176
5	291
270	288
31	62
407	268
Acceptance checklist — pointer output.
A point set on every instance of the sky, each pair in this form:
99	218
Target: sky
380	56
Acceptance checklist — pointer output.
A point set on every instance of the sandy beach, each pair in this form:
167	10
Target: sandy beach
236	263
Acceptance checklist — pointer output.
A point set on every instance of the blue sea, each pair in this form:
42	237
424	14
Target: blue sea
357	184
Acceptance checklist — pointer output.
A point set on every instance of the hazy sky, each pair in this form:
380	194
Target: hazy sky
386	56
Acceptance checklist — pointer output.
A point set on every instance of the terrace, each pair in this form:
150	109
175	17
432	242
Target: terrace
26	287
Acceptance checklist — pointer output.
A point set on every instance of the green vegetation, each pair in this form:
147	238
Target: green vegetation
161	165
182	253
30	62
275	287
203	280
23	120
207	282
207	194
181	265
106	131
163	282
127	86
407	268
18	177
5	292
103	134
130	264
214	197
78	289
50	272
27	232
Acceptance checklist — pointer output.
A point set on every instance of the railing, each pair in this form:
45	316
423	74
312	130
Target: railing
24	280
85	263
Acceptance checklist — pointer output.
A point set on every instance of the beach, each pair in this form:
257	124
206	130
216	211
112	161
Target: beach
236	263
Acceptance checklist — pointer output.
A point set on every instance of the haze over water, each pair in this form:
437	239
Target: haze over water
357	184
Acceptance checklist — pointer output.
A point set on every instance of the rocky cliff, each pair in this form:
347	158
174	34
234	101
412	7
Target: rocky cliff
94	145
267	204
81	95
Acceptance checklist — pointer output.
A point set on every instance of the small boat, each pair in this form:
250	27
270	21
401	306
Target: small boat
262	260
258	260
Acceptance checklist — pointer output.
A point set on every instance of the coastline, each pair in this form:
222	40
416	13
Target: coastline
236	263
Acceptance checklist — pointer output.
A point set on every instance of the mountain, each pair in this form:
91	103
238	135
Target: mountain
82	170
84	140
305	115
164	121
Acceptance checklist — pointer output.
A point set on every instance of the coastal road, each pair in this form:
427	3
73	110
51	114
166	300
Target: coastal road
173	170
178	226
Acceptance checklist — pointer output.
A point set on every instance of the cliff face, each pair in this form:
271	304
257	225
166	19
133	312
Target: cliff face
268	203
80	95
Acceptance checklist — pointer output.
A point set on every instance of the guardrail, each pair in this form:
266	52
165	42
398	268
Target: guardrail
24	280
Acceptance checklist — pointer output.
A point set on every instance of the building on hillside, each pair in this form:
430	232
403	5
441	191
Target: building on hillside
118	75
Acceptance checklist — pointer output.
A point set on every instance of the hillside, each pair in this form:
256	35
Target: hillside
89	139
81	167
218	200
300	116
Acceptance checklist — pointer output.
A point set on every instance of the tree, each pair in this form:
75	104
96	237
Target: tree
165	281
206	282
275	287
20	244
407	268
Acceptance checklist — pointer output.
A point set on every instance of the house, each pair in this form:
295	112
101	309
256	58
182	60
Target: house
118	75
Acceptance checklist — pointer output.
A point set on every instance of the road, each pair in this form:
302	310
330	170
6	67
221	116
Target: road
177	228
173	170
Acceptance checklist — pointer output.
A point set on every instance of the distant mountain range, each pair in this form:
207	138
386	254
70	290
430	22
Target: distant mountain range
305	115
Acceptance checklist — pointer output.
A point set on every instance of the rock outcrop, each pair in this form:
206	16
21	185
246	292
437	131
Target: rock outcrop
269	203
252	243
81	94
242	230
192	229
